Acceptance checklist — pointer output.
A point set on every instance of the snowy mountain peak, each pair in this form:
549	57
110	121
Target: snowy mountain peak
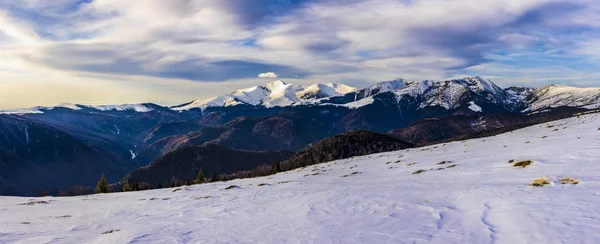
324	90
275	85
478	84
553	96
140	107
391	85
384	86
68	105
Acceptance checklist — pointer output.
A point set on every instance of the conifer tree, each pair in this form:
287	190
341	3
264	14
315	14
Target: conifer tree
215	177
126	187
200	177
159	185
102	186
136	186
276	168
188	182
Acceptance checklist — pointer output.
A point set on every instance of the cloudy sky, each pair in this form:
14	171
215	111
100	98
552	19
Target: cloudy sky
170	52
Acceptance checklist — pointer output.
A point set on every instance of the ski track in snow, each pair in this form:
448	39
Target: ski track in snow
483	199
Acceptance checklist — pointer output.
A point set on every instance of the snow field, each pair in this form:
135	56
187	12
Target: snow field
370	199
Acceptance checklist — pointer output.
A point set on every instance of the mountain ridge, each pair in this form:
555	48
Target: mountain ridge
442	93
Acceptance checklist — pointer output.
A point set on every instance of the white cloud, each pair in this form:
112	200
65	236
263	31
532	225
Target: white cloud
267	75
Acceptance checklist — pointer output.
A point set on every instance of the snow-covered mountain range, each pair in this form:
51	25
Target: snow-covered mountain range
449	94
276	93
472	92
471	191
141	108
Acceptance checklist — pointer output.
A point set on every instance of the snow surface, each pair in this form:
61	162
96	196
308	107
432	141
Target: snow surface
483	199
474	107
357	104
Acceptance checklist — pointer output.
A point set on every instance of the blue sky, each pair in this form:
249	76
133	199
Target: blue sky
169	52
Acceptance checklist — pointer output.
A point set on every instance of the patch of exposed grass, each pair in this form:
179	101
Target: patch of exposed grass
511	161
178	189
34	203
540	182
419	171
443	162
203	197
111	231
231	187
411	164
451	166
263	184
567	180
523	164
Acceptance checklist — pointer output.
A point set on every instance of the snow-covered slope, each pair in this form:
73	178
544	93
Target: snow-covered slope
276	93
466	192
557	96
142	108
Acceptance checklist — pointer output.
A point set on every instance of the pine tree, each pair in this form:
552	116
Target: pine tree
102	186
215	177
126	187
136	186
188	182
172	183
159	185
200	177
276	168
